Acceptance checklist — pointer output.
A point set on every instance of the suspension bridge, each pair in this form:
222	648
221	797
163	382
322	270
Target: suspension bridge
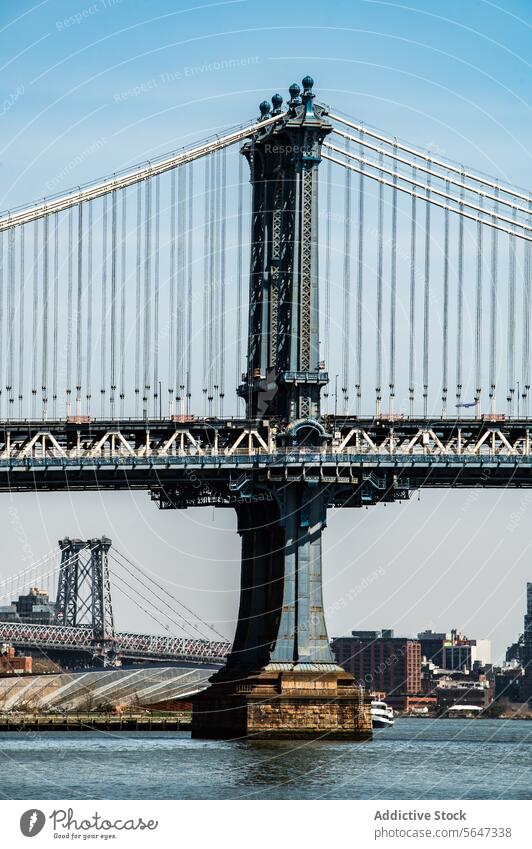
83	621
383	346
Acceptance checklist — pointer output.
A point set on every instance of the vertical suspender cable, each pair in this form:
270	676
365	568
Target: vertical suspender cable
123	303
56	314
88	387
347	286
147	296
36	308
215	286
327	328
426	305
45	296
511	320
79	327
137	298
360	282
206	262
189	282
239	266
11	318
156	271
478	319
223	239
493	312
103	373
393	290
380	246
445	347
157	400
21	326
172	299
181	300
113	334
460	302
526	323
411	357
212	257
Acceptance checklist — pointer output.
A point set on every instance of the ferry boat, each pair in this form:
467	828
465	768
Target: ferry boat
381	715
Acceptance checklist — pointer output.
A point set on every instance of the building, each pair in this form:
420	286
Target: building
35	607
452	694
12	664
382	663
526	659
454	651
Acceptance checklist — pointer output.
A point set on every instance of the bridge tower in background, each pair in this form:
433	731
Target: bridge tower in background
281	679
84	589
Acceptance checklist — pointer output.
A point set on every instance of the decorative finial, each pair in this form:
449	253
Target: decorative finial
264	109
277	102
294	95
308	95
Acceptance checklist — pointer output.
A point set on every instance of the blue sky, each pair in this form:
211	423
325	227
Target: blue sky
88	88
116	81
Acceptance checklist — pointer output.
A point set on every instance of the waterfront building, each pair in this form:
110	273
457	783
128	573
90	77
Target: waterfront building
11	663
382	663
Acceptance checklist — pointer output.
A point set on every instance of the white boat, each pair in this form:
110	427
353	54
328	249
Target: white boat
381	715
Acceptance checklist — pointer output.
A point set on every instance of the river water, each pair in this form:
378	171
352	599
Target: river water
416	759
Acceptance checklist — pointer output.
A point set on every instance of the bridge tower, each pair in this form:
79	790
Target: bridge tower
84	589
281	679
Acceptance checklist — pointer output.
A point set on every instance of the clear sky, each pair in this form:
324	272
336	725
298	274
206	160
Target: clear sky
88	88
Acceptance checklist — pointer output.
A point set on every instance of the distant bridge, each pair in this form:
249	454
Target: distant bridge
127	645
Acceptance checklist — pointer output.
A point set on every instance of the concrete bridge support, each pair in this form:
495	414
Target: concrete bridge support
281	680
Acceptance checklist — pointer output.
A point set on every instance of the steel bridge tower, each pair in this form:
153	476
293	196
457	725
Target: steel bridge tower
84	589
281	679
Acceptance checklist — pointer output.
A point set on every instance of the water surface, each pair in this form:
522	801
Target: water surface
416	759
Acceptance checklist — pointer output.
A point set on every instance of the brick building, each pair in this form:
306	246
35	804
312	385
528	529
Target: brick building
382	663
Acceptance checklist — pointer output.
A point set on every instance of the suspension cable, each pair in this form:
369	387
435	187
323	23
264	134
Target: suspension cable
147	296
360	287
426	305
137	298
511	323
56	314
445	347
448	166
88	388
459	310
380	248
190	267
113	327
172	296
21	325
393	296
79	324
103	361
411	357
493	319
239	266
349	166
327	328
392	154
223	240
123	263
478	320
36	309
434	191
347	287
